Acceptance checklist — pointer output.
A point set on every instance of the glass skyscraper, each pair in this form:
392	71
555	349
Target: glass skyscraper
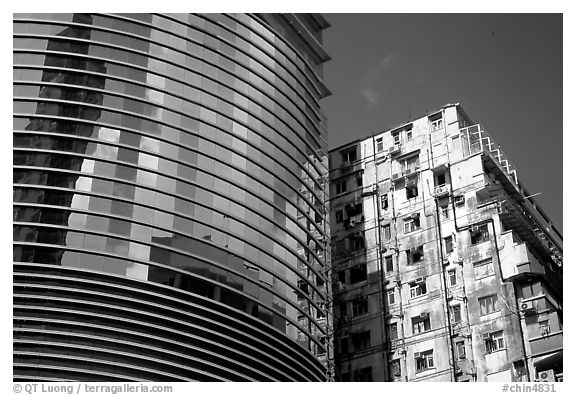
170	197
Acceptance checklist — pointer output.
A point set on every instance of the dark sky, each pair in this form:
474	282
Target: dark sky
504	69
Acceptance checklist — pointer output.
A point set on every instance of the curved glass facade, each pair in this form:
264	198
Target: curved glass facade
169	197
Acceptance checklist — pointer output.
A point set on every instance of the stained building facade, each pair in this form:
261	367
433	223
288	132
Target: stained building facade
444	267
170	198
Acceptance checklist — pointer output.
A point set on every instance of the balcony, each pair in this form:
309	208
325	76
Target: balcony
490	190
410	171
350	167
547	343
517	260
475	139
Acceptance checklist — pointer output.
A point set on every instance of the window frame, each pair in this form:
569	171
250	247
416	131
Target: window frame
339	216
389	263
452	278
359	306
384	201
421	325
494	302
428	361
410	255
341	187
456	313
412	224
418	289
495	343
380	144
362	340
484	235
386	232
449	243
395	368
346	155
364	277
461	349
483	269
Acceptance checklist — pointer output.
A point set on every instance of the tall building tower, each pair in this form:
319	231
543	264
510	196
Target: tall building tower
170	192
445	269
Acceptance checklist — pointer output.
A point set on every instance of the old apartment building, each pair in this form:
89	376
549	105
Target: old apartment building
444	267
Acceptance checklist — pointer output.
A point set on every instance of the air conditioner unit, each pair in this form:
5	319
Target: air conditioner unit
423	315
395	176
526	307
486	336
394	149
474	229
459	200
417	354
546	375
419	280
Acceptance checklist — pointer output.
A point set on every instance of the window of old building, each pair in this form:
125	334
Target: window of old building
415	255
386	234
412	223
544	326
359	306
340	187
409	134
393	331
418	288
395	369
384	201
361	341
357	242
424	360
436	122
483	269
358	273
391	296
411	191
456	313
349	156
339	216
444	212
389	263
410	164
461	350
494	341
488	304
479	234
452	279
421	324
379	144
448	244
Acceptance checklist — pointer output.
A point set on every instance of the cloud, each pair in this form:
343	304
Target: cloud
371	96
372	75
378	67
